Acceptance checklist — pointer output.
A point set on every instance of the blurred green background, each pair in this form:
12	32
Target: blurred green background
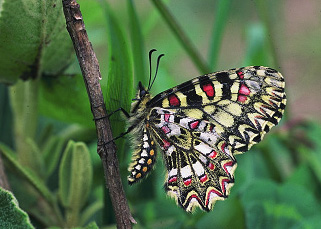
277	183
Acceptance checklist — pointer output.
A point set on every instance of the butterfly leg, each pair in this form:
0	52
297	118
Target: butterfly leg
113	112
110	114
119	109
120	136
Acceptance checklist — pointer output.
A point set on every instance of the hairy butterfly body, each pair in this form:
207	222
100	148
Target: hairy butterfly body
200	125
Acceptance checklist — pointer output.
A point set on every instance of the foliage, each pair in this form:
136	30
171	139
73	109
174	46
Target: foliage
47	136
11	215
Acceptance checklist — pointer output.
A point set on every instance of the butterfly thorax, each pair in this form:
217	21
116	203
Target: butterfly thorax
139	109
144	155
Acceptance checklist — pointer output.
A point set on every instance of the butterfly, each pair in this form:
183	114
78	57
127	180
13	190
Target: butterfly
200	126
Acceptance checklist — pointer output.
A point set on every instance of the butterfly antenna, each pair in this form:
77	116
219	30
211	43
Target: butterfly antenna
150	66
158	59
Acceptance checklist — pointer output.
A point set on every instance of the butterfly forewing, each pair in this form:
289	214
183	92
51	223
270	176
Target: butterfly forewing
200	125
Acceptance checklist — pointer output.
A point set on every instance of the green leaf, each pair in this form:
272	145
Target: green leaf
120	76
51	153
5	116
69	94
11	215
226	214
26	173
33	39
309	223
75	178
90	211
264	9
182	38
24	104
92	225
222	11
310	148
138	48
271	206
256	50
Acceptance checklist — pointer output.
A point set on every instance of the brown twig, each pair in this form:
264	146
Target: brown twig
91	74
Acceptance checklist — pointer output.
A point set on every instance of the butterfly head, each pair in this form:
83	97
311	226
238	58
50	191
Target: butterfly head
142	97
142	91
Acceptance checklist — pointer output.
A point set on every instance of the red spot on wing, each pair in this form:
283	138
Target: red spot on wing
203	178
208	89
188	181
194	124
166	117
223	147
241	98
244	90
166	144
213	154
240	74
173	100
211	166
165	129
173	179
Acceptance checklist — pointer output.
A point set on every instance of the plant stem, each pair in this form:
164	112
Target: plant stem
182	38
221	15
264	15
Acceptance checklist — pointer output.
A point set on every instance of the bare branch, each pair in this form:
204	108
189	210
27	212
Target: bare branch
91	74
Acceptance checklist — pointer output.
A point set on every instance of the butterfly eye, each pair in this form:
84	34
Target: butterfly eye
142	91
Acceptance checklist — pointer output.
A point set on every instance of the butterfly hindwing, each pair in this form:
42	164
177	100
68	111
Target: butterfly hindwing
200	125
200	165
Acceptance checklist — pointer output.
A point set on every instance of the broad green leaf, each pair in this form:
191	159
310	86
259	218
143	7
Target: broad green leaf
11	216
33	39
65	99
75	178
68	92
